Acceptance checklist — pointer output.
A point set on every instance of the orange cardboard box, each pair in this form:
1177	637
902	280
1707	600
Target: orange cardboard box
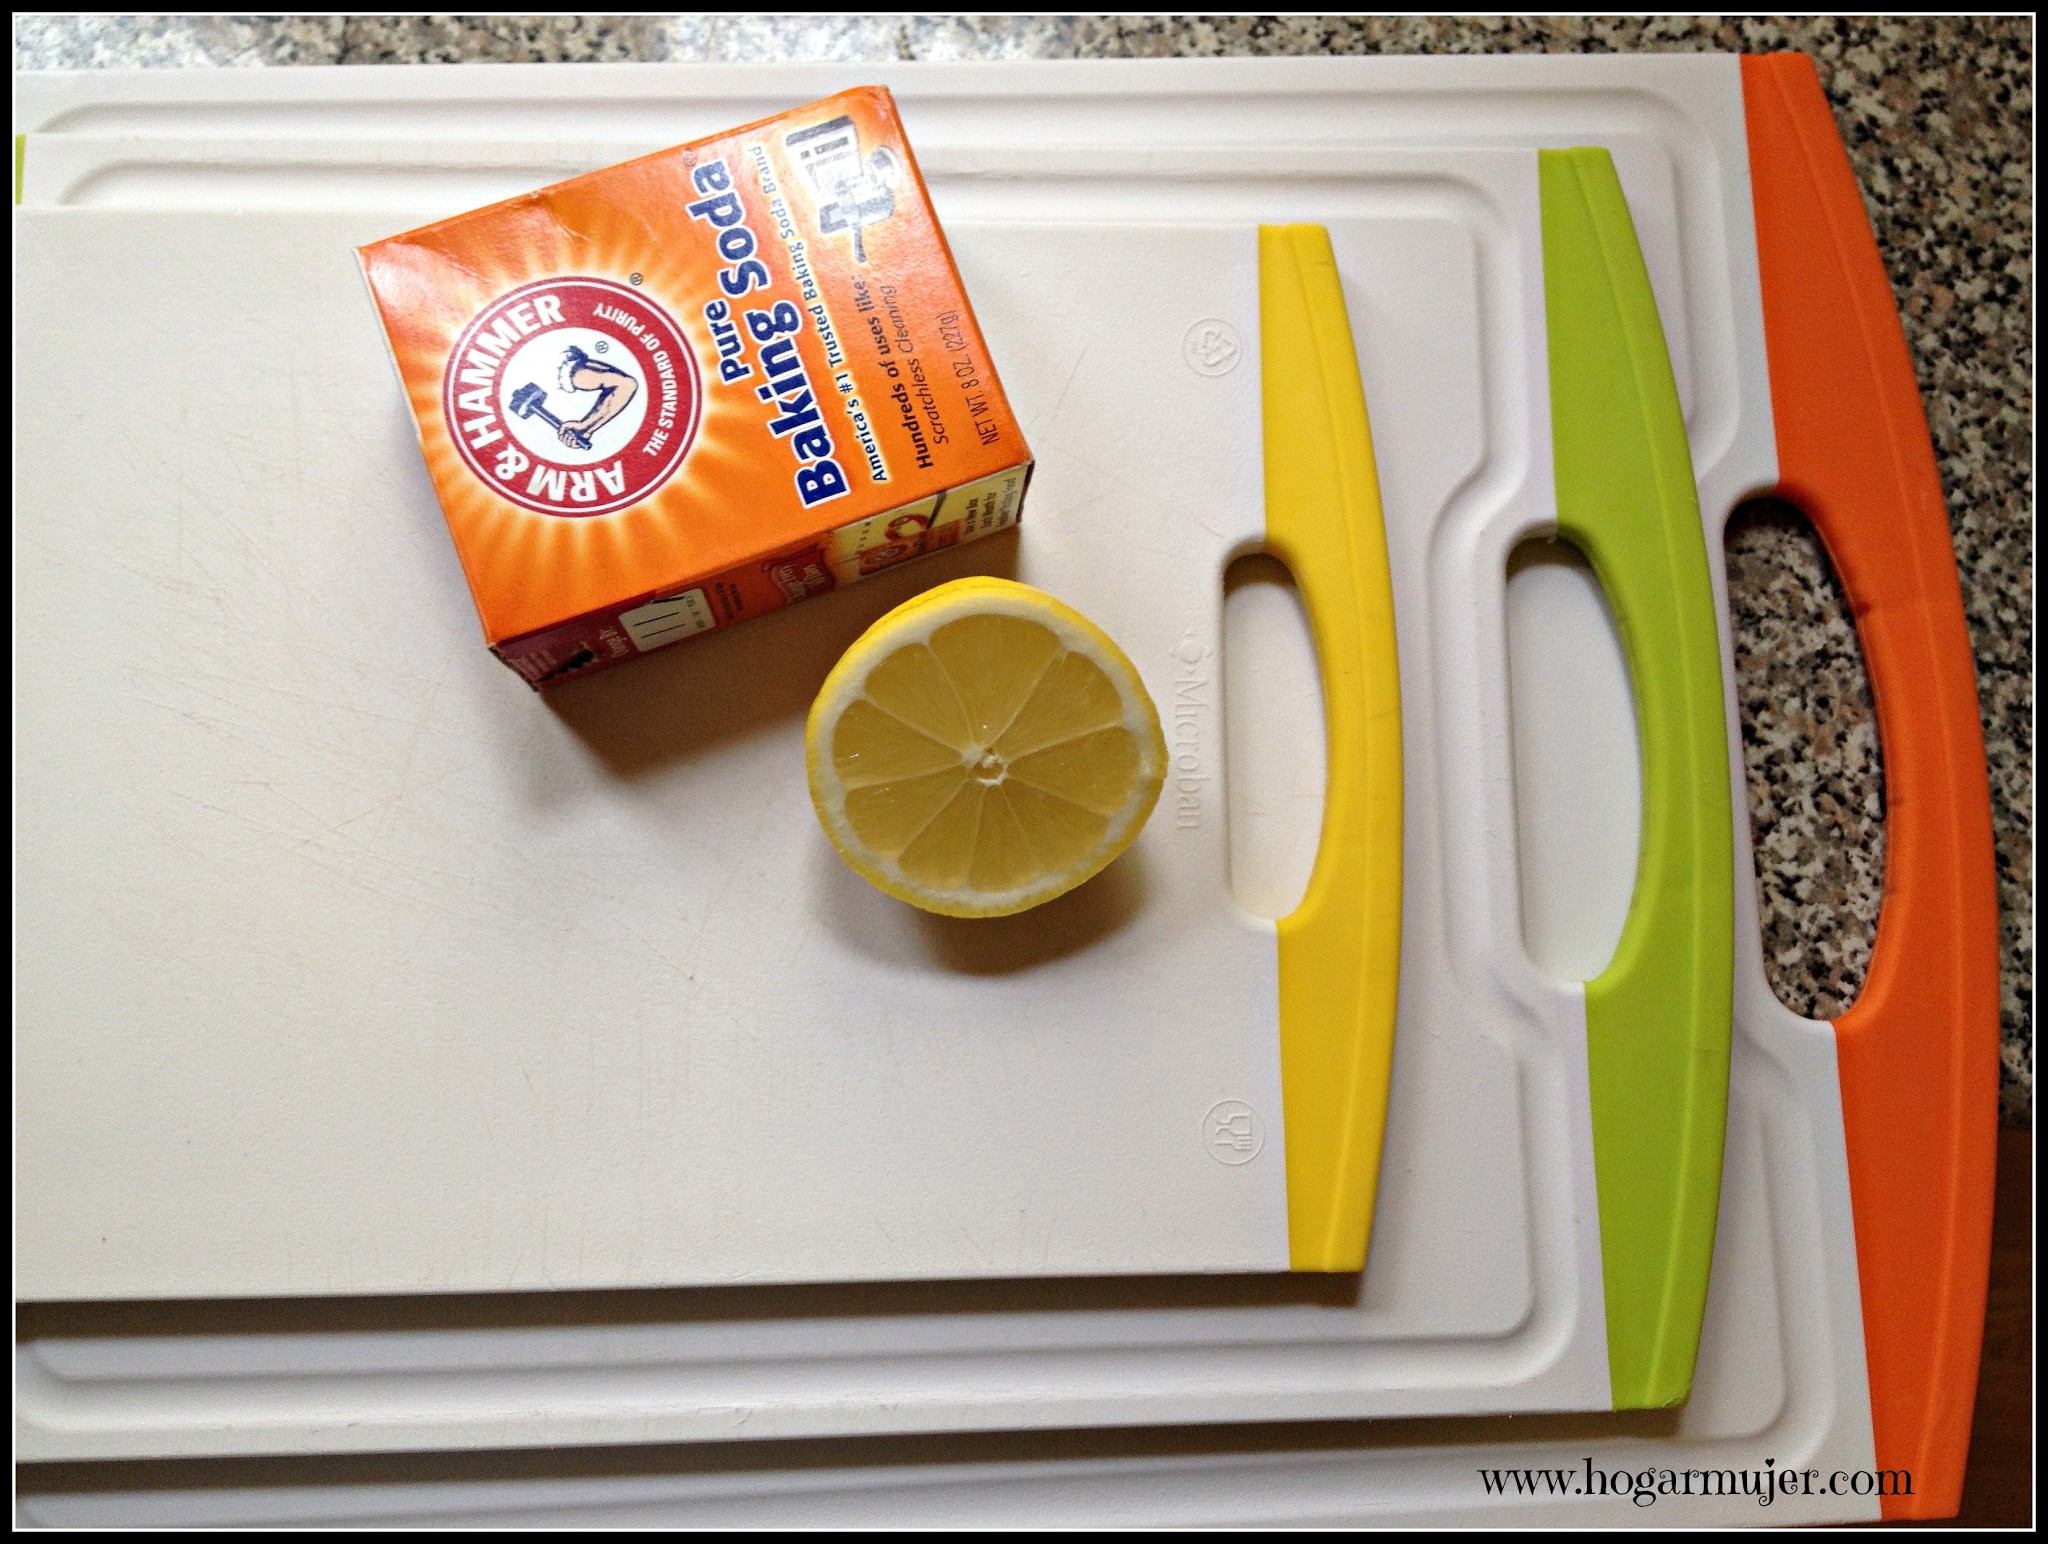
667	396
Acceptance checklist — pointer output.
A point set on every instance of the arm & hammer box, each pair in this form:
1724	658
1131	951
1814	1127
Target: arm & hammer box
673	394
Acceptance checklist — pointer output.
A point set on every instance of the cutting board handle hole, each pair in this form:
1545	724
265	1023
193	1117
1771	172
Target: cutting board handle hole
1275	744
1577	761
1811	759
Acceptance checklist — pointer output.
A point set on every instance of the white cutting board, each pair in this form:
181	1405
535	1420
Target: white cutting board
611	1024
388	977
1779	1342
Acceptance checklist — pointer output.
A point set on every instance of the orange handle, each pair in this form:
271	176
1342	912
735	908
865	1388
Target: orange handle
1918	1053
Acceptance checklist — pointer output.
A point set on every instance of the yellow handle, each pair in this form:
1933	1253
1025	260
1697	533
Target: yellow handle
1340	950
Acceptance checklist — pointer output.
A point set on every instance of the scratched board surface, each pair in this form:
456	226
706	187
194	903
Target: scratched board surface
391	977
467	990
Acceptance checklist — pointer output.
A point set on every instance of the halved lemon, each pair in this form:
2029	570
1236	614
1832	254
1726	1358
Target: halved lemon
982	749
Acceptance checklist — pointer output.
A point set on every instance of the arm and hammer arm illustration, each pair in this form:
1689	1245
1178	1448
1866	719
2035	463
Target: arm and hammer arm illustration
614	387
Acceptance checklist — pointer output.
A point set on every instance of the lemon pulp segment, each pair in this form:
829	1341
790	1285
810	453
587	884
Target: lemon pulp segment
982	749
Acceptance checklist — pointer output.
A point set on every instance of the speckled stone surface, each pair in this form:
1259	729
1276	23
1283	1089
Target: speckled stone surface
1938	117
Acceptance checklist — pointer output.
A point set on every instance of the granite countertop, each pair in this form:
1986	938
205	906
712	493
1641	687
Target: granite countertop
1937	115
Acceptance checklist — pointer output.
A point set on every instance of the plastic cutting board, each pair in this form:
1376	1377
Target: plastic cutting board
791	1078
1677	116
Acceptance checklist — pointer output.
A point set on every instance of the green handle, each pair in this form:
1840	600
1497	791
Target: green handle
1657	1019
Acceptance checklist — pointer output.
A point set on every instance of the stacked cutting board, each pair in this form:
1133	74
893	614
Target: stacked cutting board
355	970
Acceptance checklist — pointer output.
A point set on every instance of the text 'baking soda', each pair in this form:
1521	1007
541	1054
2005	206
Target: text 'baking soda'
674	394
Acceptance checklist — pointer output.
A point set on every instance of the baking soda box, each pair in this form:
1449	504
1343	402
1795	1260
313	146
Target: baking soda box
668	396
